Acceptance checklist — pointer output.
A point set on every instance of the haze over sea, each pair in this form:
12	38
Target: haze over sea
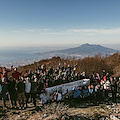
25	55
20	56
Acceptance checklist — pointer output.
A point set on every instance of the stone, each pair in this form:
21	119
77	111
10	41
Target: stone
113	117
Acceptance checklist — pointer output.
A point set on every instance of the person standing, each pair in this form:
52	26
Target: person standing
0	90
4	72
12	92
113	88
21	93
4	92
106	88
27	90
34	88
16	75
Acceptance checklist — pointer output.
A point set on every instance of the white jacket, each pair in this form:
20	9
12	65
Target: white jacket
107	85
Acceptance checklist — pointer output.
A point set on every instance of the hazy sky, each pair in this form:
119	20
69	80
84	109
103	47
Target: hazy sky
57	22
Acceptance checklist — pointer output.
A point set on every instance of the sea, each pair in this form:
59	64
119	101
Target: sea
21	56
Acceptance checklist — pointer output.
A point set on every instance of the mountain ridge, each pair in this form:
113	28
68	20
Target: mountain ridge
84	50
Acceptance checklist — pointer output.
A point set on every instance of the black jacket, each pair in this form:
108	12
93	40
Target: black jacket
20	87
34	87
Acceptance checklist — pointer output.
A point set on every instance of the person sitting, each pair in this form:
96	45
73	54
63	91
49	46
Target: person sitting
77	92
91	92
85	92
43	97
58	96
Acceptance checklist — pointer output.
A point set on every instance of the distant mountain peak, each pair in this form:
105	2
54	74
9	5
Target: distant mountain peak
83	51
87	44
88	50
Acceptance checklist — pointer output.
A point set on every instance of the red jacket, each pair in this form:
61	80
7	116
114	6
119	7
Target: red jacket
16	75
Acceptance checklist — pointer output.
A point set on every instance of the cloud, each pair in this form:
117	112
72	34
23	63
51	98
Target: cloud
37	30
47	31
31	30
89	32
55	33
16	31
95	31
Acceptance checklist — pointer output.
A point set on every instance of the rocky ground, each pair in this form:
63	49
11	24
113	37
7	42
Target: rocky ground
67	110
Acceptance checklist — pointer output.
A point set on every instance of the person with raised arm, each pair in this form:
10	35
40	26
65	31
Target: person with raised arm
16	75
4	72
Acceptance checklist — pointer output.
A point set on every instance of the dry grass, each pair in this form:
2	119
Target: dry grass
58	109
52	112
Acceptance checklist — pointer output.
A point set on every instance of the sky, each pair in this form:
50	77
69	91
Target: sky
59	22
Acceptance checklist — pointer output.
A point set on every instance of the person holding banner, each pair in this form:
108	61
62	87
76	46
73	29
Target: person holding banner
58	96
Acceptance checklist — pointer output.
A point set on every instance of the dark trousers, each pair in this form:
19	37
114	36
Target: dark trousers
13	98
33	96
114	96
92	97
27	97
106	94
4	99
21	99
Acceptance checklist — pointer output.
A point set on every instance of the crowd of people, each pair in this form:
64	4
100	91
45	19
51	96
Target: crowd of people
25	88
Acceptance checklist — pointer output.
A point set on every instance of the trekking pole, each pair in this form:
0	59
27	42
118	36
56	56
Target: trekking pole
3	103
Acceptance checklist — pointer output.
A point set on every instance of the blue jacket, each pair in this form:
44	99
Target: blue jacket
92	91
77	93
85	93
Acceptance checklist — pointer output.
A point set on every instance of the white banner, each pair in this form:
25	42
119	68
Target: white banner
67	88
